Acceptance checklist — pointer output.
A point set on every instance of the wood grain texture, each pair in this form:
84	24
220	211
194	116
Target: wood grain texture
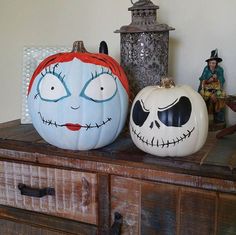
46	222
164	175
125	199
13	123
227	154
158	214
104	204
227	215
69	200
187	195
199	163
205	169
197	212
16	133
154	208
13	228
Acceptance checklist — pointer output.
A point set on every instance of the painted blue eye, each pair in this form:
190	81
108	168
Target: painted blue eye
101	88
52	88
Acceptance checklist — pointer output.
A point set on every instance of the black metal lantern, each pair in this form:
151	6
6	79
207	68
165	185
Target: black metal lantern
144	46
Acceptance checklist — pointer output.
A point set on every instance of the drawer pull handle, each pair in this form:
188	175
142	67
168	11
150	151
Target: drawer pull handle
35	192
116	226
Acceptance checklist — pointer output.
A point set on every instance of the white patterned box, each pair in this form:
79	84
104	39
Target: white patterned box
32	56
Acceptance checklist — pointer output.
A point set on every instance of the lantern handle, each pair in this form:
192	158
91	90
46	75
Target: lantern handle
140	2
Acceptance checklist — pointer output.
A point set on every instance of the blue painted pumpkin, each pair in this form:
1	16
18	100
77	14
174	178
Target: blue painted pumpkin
78	101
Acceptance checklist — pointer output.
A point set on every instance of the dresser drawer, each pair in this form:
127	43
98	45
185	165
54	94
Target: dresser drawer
63	193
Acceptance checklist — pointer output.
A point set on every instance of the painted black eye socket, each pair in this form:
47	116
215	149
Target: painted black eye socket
139	115
178	114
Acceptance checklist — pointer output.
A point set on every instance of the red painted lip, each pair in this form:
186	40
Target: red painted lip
73	127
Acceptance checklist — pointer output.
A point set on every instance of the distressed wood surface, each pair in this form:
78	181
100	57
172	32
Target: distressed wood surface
188	195
227	215
73	198
10	124
197	212
154	208
210	158
103	204
205	169
159	212
125	199
13	228
165	175
48	224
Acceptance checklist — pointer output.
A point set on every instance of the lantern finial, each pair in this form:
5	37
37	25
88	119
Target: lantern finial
144	19
141	2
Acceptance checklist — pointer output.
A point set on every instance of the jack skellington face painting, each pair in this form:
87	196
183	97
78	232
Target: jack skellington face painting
168	121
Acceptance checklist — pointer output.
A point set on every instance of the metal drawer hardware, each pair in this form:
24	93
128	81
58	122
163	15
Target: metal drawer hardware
35	192
116	226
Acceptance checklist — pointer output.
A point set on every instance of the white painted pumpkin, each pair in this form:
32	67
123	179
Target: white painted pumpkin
169	120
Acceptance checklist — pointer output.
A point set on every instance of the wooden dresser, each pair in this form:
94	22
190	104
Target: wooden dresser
114	190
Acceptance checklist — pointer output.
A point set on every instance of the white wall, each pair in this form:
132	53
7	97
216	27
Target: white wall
200	25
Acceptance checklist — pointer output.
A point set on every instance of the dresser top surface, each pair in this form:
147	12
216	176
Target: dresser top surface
216	159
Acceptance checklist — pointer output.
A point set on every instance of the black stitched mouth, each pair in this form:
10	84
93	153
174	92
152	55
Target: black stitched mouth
157	143
86	126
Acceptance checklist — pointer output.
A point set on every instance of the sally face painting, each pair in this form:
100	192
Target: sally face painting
78	101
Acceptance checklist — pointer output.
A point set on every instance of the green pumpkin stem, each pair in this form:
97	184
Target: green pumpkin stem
167	82
78	46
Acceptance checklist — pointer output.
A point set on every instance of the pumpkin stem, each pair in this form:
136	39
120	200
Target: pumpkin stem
78	46
103	48
167	82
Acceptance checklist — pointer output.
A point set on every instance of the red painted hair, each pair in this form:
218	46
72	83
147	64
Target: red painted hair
98	59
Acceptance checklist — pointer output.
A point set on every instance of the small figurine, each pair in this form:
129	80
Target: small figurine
211	88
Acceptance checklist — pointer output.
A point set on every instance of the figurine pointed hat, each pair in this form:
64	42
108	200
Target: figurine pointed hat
214	56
